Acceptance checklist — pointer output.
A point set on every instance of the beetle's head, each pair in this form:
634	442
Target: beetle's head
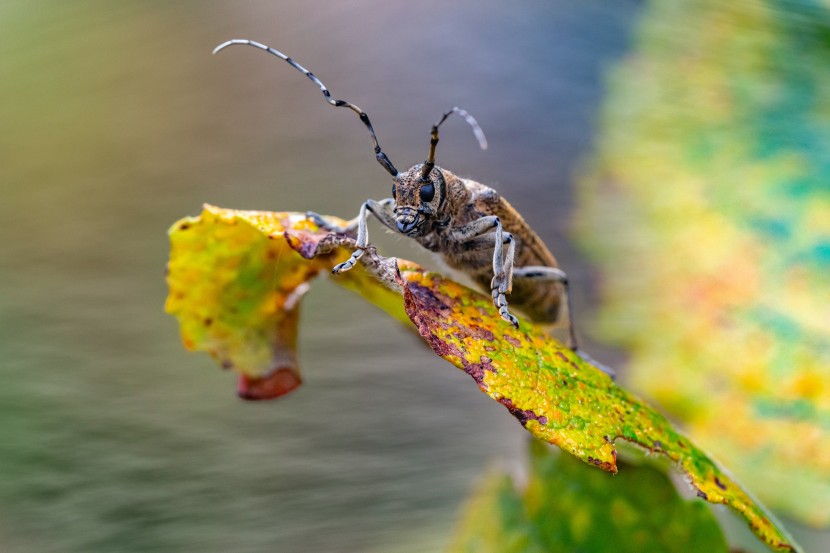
421	192
418	199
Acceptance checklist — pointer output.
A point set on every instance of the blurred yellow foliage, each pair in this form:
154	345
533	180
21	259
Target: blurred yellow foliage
714	162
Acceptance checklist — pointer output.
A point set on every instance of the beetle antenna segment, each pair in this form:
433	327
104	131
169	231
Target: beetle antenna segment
379	155
433	142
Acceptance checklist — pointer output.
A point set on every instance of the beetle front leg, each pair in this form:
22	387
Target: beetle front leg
382	211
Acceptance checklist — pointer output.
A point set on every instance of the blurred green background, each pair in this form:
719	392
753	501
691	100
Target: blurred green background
115	121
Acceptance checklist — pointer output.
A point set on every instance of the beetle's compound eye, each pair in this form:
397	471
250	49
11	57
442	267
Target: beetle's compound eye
394	191
427	192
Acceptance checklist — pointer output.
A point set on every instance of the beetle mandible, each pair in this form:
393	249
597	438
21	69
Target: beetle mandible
470	225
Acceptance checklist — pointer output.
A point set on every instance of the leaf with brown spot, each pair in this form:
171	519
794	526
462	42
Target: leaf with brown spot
237	269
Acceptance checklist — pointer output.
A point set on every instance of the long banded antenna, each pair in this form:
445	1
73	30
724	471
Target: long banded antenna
379	155
433	142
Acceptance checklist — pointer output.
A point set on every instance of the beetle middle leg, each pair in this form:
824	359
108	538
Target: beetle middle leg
382	211
478	233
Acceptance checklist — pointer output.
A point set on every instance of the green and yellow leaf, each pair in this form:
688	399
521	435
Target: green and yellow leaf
236	282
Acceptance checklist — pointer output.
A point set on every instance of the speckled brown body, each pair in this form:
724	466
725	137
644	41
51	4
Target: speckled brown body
466	201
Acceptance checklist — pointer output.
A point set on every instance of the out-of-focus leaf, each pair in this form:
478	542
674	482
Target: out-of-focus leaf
564	507
708	209
559	397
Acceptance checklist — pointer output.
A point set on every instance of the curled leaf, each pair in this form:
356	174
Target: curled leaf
236	292
235	285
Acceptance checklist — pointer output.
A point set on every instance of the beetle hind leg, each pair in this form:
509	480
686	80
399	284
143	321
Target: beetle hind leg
554	274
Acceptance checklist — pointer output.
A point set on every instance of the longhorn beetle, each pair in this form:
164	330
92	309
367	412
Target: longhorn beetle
469	224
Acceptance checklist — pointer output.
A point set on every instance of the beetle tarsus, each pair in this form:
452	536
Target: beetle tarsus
349	263
507	316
